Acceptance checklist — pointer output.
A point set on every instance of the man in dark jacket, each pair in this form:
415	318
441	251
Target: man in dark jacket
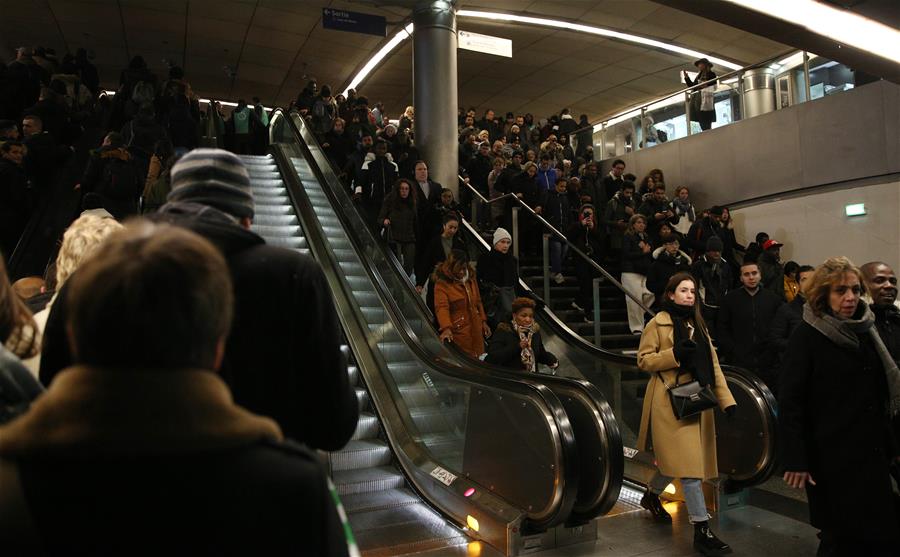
619	210
338	144
657	211
585	235
428	197
45	155
705	228
139	448
771	268
786	320
558	211
112	180
745	319
15	207
613	181
379	173
713	275
283	357
881	287
667	261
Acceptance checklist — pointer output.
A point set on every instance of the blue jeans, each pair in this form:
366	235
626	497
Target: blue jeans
693	495
558	251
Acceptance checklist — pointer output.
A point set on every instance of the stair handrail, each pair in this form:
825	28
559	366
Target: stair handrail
554	231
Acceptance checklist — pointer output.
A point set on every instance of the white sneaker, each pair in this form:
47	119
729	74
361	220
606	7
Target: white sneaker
558	278
576	307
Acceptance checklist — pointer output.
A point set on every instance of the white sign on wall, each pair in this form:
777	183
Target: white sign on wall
484	43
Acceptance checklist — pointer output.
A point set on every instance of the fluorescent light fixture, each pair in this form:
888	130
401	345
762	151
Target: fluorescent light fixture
407	31
592	30
201	101
855	209
842	26
373	62
794	59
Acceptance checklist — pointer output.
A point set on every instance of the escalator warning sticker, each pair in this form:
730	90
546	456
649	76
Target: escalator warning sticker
629	452
443	476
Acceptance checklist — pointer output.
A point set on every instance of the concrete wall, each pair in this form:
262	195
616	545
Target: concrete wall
814	227
847	136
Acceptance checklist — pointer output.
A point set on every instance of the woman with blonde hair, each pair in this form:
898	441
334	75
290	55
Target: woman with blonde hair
457	305
676	349
839	391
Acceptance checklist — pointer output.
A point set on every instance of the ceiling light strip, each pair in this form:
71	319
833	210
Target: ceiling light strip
407	31
842	26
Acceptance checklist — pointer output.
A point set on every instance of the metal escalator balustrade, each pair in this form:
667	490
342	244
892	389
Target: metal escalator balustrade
386	516
600	452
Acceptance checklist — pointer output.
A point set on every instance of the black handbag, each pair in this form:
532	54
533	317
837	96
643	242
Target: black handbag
690	398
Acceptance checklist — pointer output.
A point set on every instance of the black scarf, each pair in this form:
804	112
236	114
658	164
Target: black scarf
702	365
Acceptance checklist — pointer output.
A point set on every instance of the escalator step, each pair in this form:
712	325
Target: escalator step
400	531
361	453
273	210
367	427
353	374
378	500
362	398
367	480
282	231
289	242
275	220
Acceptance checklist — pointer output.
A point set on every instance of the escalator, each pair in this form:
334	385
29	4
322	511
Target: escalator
425	469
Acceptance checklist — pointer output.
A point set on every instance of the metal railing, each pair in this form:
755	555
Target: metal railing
552	231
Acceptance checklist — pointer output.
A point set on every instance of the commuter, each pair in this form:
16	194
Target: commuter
159	180
881	293
583	139
53	113
745	319
637	257
657	210
399	216
498	279
592	185
87	72
66	461
565	149
676	349
378	113
786	320
703	108
240	123
15	196
791	282
755	249
18	332
324	112
292	368
44	155
446	206
705	228
457	305
517	343
771	268
438	249
8	130
714	280
407	119
585	235
668	261
479	168
619	210
839	390
494	183
23	83
559	213
488	124
81	240
338	145
683	209
141	134
526	188
137	85
181	124
379	172
547	174
18	388
428	196
111	179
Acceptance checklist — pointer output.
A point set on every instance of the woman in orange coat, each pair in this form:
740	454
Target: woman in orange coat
457	305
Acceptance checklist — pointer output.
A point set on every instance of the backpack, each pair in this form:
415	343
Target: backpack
143	92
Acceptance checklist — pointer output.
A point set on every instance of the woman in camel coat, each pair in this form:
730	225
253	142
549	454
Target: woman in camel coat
675	347
457	305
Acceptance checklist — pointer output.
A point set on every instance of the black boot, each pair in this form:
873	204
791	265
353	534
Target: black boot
651	502
706	542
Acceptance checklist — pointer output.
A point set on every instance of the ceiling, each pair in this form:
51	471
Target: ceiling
274	46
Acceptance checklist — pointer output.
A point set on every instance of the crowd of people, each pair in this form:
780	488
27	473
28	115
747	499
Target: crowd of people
179	291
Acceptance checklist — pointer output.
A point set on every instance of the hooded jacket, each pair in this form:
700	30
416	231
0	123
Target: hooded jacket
714	280
283	357
663	268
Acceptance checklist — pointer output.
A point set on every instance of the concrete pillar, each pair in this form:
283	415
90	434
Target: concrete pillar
435	89
759	92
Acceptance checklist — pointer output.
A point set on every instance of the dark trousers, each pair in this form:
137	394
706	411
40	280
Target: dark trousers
586	274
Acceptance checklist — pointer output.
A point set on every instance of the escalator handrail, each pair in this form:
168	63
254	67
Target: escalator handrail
603	422
559	235
564	499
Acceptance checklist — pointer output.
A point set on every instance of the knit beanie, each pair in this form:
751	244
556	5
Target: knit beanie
714	244
215	178
501	234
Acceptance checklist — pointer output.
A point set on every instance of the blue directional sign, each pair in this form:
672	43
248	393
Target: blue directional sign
354	22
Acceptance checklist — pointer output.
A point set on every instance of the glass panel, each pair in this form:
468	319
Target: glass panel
498	438
669	122
827	77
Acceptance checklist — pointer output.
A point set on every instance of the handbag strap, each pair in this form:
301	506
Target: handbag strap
663	381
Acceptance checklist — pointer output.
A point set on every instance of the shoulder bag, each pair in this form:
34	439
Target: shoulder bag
690	398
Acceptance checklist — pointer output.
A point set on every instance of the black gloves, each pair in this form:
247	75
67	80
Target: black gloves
684	352
731	411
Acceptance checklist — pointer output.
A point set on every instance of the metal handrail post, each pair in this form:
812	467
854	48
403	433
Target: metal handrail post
687	110
596	289
808	87
546	250
474	219
515	231
741	94
643	140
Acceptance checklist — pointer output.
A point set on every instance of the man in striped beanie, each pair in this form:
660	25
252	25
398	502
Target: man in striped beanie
215	178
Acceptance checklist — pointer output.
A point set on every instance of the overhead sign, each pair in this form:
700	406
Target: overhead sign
354	22
485	43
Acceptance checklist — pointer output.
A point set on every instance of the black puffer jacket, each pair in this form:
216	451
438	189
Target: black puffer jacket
504	350
634	260
283	356
663	268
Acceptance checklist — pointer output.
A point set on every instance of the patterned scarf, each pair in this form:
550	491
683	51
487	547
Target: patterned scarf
525	333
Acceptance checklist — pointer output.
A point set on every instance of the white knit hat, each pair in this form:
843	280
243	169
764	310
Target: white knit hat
500	234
